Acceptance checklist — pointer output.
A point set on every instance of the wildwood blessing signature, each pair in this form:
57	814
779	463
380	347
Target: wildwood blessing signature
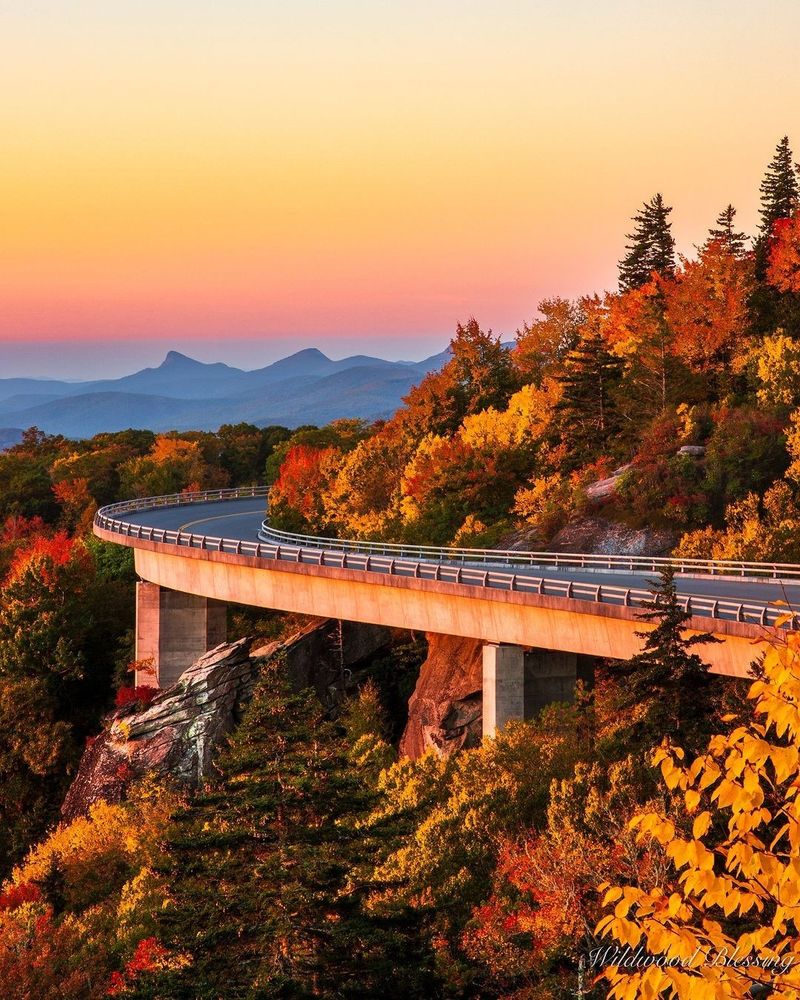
638	958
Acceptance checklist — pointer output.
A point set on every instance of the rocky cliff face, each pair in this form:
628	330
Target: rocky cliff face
592	533
601	536
176	735
444	711
324	654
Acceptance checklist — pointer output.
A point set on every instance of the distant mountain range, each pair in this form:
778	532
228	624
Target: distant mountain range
184	394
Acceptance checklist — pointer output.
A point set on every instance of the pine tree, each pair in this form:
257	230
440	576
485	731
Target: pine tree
724	231
651	247
779	188
668	676
586	408
269	867
780	196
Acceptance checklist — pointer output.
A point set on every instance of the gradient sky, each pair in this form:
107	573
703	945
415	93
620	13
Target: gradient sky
349	172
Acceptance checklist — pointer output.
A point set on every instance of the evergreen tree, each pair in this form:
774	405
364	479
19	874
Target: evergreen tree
269	867
668	677
586	408
780	196
779	188
724	231
651	247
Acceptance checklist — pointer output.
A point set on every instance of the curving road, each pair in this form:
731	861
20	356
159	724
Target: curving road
240	520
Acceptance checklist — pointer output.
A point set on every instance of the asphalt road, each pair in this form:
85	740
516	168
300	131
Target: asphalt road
241	519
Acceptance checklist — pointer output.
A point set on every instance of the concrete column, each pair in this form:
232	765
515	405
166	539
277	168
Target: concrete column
550	676
503	686
173	629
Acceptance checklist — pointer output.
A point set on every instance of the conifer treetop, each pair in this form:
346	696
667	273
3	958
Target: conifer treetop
779	188
651	247
724	231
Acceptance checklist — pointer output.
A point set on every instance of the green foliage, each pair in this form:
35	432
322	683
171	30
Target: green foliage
746	452
724	231
458	810
46	620
25	486
60	621
770	308
244	448
394	677
779	188
668	676
277	836
587	412
112	562
757	529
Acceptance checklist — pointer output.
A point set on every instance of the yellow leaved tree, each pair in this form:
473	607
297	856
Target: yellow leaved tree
730	916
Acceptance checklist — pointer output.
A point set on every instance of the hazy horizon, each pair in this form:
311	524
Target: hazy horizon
100	359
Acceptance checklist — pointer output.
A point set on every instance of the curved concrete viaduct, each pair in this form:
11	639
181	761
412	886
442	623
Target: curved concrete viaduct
195	554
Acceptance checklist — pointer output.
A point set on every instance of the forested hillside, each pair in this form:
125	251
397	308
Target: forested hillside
701	352
657	810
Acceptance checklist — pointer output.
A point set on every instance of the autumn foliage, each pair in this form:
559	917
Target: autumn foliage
733	842
784	255
315	862
141	695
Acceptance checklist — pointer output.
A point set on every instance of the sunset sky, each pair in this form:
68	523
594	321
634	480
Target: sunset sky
359	175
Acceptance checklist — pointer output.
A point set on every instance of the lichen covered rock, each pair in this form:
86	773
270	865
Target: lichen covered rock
175	735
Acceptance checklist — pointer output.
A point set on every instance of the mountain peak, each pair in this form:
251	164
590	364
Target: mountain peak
308	354
307	360
175	359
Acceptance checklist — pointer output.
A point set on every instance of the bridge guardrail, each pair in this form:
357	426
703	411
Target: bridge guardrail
392	559
559	560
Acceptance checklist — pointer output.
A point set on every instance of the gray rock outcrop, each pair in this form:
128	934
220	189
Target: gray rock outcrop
323	655
601	536
604	489
176	735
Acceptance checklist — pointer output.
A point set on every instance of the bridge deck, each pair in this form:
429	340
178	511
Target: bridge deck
241	519
595	611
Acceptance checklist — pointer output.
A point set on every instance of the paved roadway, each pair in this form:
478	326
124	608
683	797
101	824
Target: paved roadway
241	519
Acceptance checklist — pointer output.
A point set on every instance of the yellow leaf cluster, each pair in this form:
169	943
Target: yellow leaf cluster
731	916
525	419
778	367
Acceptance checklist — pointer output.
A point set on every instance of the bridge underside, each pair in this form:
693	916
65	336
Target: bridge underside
494	616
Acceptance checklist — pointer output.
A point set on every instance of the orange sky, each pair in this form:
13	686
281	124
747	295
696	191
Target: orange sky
364	169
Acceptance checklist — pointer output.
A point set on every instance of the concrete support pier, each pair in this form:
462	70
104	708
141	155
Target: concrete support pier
550	675
173	629
503	686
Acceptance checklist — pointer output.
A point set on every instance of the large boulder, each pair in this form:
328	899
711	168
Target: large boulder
445	710
601	536
176	735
